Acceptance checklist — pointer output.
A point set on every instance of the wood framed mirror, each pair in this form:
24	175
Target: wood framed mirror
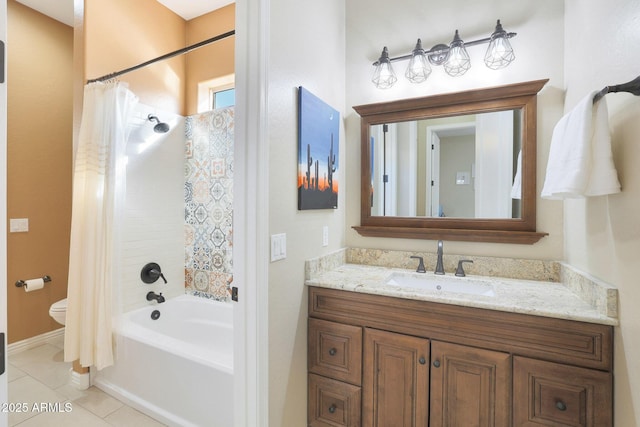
458	166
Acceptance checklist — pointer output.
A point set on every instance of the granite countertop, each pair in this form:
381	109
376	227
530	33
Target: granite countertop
539	298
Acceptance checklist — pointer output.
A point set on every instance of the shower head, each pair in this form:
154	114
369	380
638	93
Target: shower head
159	127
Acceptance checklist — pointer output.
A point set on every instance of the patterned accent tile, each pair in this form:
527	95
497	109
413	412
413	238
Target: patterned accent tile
209	204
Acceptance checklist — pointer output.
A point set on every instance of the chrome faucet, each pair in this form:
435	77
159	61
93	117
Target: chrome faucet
153	296
439	265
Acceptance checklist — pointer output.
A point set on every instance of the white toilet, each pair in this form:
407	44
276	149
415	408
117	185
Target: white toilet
58	311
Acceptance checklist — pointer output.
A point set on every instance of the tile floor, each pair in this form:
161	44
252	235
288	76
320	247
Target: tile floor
39	375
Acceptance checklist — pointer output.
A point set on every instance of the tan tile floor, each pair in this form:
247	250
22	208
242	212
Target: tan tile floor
40	376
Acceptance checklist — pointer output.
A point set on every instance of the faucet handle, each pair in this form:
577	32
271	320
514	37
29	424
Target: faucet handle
460	270
420	268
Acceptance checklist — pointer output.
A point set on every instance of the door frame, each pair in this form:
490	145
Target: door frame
4	394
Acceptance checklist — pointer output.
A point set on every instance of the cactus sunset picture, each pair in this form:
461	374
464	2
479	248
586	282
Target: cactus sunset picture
318	143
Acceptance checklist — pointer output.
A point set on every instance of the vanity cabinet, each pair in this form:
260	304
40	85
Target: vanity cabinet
384	361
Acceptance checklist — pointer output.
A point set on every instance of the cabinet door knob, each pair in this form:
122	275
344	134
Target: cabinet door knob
332	352
422	360
332	408
436	363
561	405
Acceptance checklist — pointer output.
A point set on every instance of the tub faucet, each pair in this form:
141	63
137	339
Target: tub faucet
439	266
153	296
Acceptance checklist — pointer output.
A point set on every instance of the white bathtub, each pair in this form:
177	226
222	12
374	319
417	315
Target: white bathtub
178	368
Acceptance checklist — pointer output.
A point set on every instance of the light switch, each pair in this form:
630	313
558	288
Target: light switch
325	235
18	225
278	246
462	178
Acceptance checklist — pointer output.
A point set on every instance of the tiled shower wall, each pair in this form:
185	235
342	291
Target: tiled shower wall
154	209
208	214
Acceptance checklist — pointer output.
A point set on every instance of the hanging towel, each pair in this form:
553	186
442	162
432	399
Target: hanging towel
516	188
580	160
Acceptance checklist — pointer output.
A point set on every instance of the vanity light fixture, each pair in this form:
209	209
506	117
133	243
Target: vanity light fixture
453	57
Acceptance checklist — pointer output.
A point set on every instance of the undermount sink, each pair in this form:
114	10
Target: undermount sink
442	284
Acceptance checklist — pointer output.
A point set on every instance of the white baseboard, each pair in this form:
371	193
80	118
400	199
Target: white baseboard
32	342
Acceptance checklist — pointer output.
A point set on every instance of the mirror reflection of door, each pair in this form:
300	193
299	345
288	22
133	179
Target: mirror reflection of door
393	166
450	184
457	167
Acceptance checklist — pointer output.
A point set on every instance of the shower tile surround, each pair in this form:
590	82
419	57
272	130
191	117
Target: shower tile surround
208	197
571	294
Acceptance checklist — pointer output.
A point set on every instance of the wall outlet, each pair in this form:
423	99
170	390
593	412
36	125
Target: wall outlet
278	246
18	225
325	235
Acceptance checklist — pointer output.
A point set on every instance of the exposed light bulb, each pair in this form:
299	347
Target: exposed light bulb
383	75
458	61
419	69
499	53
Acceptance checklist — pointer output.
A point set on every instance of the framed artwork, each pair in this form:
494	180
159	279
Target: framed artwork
318	147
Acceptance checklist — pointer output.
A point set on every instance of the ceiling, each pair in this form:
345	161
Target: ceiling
62	10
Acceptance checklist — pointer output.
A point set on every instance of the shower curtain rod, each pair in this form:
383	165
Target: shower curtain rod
163	57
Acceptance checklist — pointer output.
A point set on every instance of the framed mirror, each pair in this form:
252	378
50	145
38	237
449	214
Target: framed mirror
459	166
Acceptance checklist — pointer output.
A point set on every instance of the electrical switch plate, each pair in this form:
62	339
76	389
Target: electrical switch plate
18	225
278	246
462	178
325	235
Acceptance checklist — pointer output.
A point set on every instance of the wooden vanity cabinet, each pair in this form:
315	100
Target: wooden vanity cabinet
383	361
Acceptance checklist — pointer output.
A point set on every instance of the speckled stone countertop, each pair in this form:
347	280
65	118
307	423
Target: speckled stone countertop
573	296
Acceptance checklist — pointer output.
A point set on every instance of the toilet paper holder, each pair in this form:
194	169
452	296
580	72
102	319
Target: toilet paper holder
20	283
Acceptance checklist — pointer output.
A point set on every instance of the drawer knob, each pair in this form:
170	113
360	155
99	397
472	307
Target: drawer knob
332	352
561	405
422	360
436	363
333	408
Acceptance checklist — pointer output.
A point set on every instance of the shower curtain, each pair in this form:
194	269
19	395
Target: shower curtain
98	200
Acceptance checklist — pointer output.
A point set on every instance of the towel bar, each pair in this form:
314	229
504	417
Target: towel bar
632	87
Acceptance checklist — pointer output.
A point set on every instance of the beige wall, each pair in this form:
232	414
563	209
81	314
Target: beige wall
602	234
39	116
307	49
119	34
211	61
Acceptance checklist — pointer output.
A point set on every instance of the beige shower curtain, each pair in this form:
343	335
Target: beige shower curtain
98	201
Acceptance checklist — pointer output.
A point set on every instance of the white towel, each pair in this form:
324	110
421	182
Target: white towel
580	160
516	188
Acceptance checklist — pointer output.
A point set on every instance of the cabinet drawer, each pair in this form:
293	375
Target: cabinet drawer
335	350
547	393
333	403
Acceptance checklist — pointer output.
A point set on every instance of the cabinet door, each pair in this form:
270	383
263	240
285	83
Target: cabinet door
395	381
469	386
552	394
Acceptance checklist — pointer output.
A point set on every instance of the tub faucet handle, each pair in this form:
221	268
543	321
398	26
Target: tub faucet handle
151	272
158	273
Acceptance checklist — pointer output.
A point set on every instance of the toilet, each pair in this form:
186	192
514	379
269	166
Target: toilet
58	311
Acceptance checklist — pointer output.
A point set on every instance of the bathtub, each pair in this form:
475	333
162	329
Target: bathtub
178	368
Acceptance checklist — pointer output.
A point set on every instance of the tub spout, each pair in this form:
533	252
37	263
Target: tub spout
153	296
